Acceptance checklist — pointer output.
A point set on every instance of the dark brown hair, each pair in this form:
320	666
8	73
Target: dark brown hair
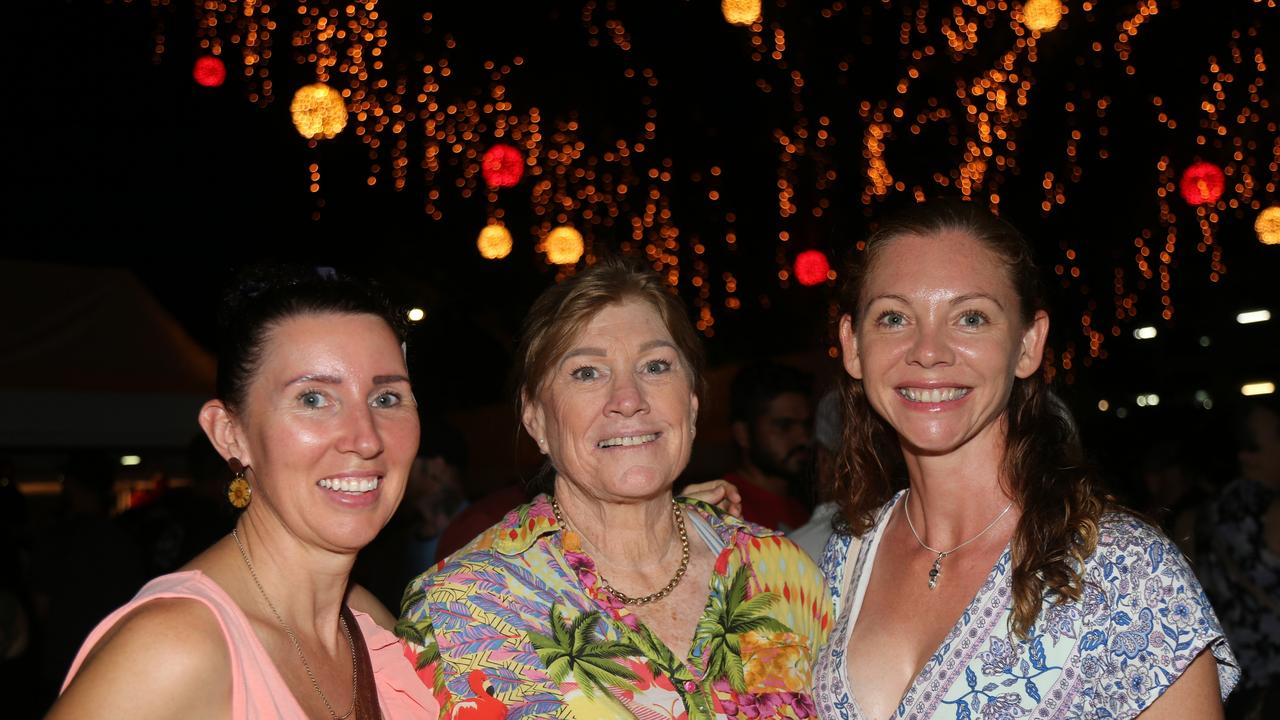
263	296
1044	467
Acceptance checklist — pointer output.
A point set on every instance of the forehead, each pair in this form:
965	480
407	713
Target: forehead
788	405
331	341
632	319
950	261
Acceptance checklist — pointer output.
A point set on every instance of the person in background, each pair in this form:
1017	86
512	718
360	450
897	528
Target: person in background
813	535
771	416
86	547
610	597
994	577
179	522
1238	555
317	422
434	496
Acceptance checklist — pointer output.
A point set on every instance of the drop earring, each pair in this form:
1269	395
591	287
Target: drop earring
239	492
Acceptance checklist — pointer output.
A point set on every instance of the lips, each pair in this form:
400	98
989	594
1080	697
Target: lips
627	440
932	395
353	486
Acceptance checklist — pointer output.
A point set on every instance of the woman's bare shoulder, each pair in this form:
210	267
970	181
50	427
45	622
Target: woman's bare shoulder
166	658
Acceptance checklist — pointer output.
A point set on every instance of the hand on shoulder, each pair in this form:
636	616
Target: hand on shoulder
168	658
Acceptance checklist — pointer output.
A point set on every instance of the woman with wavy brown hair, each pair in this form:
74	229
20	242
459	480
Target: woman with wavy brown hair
982	570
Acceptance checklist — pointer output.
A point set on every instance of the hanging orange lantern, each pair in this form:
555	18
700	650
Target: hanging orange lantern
1042	15
318	111
740	12
1268	225
502	166
1202	183
209	71
812	267
494	242
563	245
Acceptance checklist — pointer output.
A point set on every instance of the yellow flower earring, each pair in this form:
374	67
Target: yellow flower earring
239	492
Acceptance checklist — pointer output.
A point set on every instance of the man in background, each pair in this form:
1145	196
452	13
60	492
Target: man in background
771	411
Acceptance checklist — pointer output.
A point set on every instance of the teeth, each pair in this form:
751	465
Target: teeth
363	485
935	395
627	441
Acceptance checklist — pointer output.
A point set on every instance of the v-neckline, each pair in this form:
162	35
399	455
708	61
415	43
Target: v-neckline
864	563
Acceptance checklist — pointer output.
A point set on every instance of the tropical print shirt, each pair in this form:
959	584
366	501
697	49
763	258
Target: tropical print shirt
1141	620
516	625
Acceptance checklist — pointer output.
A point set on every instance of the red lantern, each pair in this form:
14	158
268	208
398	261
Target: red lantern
812	267
1202	184
502	166
210	72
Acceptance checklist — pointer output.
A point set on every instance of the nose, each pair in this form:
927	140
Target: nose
626	397
930	347
360	433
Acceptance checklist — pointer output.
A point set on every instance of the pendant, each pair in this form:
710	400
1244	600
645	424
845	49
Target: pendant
936	570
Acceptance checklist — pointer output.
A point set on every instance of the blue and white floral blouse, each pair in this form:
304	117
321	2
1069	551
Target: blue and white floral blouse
1141	621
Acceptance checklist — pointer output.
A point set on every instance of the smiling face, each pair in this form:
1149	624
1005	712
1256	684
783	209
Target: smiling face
616	411
939	340
328	428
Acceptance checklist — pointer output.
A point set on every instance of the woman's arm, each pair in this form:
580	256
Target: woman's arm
166	659
1193	695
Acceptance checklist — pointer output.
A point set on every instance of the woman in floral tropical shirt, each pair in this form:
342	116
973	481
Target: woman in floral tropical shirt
610	598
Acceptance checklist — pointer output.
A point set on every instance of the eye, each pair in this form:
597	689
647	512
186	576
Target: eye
657	367
973	319
387	399
585	373
313	399
891	318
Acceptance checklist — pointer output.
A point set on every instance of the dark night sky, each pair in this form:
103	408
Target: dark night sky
115	159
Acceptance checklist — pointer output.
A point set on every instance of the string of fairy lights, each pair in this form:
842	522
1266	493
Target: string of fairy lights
950	101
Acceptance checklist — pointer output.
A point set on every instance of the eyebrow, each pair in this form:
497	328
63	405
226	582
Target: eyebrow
954	301
326	379
600	352
976	296
335	380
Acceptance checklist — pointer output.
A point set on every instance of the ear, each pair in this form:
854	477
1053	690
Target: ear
693	410
1032	350
220	425
741	434
535	422
849	348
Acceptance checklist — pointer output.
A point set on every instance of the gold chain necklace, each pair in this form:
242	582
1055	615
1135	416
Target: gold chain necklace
654	596
936	570
298	646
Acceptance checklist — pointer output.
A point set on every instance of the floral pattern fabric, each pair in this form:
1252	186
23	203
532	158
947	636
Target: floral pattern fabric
516	625
1141	620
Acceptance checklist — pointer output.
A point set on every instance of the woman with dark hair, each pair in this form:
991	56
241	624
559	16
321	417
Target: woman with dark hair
994	578
316	419
610	597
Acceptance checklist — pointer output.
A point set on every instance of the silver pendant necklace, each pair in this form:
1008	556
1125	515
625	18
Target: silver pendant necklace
936	570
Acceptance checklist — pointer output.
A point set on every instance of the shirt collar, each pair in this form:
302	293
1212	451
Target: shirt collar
522	527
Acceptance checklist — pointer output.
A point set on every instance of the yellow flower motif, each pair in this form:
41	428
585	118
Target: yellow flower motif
239	493
775	661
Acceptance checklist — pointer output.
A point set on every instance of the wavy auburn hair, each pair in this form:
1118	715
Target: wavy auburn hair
1044	469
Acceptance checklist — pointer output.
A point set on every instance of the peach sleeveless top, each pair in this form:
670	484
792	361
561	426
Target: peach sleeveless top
257	689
